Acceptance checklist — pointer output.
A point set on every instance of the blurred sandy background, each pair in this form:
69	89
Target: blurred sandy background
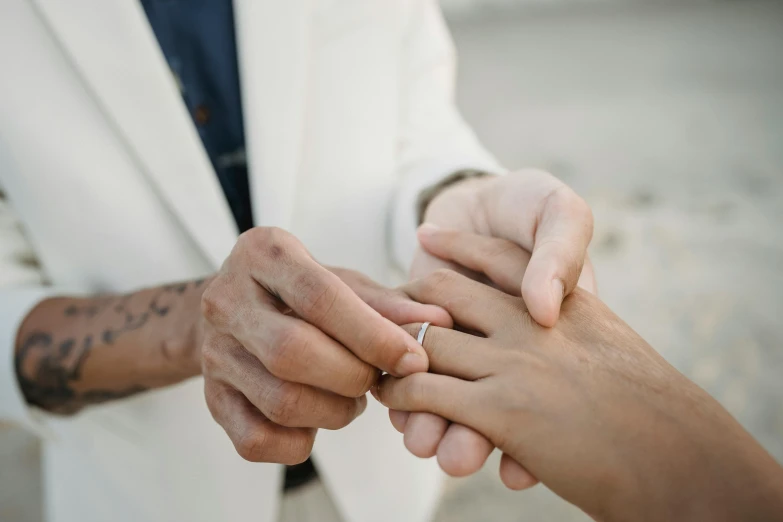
667	116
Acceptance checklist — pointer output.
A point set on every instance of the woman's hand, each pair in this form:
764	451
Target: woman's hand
588	407
531	210
500	263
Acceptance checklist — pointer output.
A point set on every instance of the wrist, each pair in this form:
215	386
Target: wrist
712	470
463	183
462	204
180	349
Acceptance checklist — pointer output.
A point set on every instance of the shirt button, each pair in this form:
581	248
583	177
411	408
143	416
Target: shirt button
201	114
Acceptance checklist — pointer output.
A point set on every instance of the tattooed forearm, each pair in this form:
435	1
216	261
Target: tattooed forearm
75	352
47	370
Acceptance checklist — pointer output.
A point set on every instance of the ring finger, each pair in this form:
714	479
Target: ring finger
461	451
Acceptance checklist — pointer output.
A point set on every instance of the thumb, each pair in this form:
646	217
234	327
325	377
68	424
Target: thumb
565	228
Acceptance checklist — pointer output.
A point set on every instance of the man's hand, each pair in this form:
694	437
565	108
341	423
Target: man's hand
534	212
588	407
290	347
532	209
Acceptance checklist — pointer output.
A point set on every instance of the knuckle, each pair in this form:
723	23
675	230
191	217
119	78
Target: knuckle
438	279
276	243
394	306
270	243
316	296
386	301
577	206
252	445
565	198
220	303
559	198
210	359
247	237
250	241
288	351
283	404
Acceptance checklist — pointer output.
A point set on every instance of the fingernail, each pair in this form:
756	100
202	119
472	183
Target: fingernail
409	363
558	291
427	229
374	391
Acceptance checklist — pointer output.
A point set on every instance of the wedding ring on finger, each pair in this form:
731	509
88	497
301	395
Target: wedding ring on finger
422	333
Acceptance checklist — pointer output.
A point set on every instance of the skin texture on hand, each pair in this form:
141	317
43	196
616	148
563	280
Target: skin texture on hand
532	209
290	346
535	213
270	365
588	407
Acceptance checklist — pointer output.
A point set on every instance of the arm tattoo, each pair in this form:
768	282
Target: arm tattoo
49	369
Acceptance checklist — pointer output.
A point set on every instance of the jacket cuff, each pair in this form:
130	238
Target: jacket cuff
405	215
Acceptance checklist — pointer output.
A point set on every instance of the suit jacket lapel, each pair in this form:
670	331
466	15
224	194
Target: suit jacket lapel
273	44
114	48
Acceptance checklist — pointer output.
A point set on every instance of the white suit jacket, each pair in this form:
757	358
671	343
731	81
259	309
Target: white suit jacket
349	113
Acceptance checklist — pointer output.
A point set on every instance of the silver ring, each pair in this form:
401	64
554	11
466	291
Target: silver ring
422	333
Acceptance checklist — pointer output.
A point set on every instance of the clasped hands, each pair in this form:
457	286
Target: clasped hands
568	392
290	346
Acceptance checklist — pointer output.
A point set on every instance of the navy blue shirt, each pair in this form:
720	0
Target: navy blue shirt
197	38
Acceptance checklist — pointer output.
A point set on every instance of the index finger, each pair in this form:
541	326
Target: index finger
286	269
471	304
502	261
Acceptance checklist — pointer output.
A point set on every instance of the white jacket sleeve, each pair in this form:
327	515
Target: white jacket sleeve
435	141
21	287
